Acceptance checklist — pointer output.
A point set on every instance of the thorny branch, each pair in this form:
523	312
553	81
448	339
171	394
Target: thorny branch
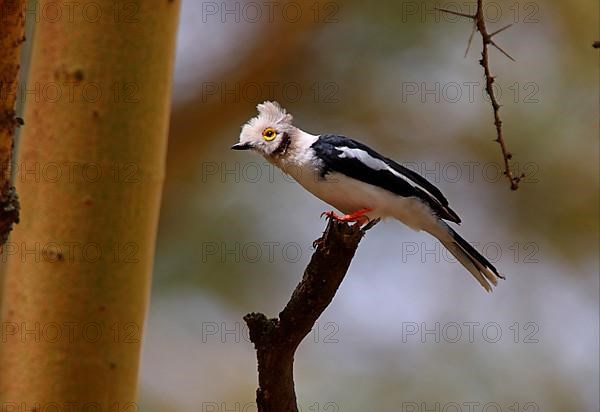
479	26
276	339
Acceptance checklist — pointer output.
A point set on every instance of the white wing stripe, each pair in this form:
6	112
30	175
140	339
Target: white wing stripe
377	164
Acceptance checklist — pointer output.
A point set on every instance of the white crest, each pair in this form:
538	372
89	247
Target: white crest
272	112
270	115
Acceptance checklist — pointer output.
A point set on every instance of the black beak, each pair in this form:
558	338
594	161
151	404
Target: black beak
241	146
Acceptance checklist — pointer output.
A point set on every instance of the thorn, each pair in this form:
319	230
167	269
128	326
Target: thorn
471	38
509	156
501	50
500	30
456	13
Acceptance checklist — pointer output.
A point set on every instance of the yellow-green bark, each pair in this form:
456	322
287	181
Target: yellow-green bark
89	172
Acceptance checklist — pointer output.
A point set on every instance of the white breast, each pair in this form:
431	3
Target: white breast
350	195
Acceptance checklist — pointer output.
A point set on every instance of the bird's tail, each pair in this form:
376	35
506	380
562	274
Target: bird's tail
481	268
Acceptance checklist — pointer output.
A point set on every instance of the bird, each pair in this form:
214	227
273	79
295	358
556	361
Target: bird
361	183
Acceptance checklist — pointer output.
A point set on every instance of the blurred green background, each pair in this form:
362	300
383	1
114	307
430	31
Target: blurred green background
408	328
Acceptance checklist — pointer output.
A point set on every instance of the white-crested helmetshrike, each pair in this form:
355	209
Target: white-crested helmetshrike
359	182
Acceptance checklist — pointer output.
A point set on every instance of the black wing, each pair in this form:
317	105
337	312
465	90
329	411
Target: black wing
411	184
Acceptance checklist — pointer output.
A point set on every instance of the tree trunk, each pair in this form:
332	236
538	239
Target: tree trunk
12	27
90	173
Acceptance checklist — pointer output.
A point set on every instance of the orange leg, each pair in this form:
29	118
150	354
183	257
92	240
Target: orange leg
358	216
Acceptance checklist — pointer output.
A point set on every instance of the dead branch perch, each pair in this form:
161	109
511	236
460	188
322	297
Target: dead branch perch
276	340
487	38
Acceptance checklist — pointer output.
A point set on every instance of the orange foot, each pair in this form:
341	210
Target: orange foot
358	216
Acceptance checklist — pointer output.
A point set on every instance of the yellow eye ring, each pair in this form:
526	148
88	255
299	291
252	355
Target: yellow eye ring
269	134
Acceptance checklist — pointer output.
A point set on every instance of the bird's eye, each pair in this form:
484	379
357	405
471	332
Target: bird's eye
269	134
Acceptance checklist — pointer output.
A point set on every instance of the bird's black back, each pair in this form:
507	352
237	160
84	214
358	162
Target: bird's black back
327	149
